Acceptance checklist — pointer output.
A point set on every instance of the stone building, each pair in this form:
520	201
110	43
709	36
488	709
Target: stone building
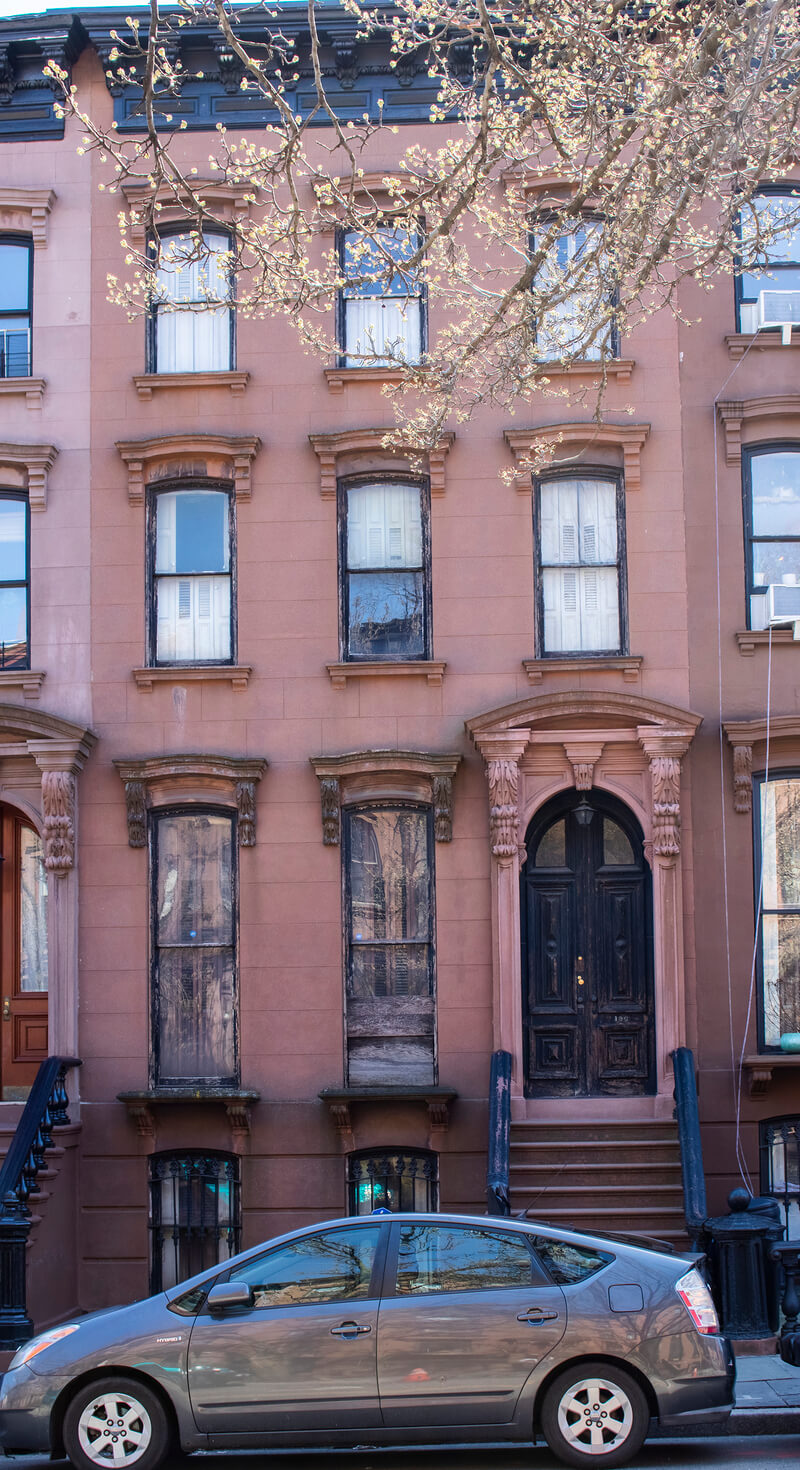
325	775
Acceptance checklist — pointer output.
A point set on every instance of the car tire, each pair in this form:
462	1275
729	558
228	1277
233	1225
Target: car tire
111	1410
594	1414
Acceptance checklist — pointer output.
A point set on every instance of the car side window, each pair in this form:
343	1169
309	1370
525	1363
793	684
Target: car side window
569	1263
434	1258
335	1266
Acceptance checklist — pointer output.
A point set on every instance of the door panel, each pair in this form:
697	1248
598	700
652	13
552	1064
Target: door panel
23	955
555	1038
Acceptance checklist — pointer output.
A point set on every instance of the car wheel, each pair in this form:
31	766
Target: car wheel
594	1413
116	1422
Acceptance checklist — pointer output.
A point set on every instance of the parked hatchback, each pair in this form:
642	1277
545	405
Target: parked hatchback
391	1329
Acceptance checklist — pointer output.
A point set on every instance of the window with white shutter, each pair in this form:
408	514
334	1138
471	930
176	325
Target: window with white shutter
574	284
191	577
381	319
192	325
580	572
385	592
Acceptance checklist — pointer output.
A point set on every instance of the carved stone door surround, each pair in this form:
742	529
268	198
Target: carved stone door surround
630	746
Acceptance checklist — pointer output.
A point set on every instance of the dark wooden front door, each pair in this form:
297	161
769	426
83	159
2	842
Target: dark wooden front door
587	952
23	955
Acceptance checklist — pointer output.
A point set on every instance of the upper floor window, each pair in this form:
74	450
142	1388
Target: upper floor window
386	570
16	291
778	870
579	537
191	603
389	930
396	1180
576	322
192	319
195	1214
770	293
194	990
772	524
380	320
14	576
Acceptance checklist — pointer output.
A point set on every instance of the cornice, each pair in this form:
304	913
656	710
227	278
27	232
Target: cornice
628	439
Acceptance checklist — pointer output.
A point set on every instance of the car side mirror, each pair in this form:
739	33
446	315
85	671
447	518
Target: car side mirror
228	1294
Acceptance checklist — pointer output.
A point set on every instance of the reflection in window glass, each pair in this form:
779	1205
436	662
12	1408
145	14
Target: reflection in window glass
32	913
569	1263
192	576
579	566
335	1266
552	850
572	326
13	582
771	222
774	479
780	1169
434	1258
616	847
195	1217
385	594
393	1181
780	924
192	333
382	318
15	304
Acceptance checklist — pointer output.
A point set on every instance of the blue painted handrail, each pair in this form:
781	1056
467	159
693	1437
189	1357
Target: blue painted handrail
497	1191
688	1116
45	1109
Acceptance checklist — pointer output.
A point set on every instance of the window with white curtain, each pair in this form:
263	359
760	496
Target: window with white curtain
191	579
192	328
381	319
580	573
576	322
385	593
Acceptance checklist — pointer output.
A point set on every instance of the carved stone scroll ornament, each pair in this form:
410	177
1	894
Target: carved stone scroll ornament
665	773
58	804
443	808
136	811
246	807
503	777
743	778
583	759
331	810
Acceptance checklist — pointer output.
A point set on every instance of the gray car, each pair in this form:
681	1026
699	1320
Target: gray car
384	1330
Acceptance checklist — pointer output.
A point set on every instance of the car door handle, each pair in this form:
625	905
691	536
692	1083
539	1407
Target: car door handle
535	1315
349	1329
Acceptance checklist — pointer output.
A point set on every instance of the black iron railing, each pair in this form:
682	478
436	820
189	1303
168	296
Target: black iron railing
688	1116
15	353
46	1109
497	1187
780	1169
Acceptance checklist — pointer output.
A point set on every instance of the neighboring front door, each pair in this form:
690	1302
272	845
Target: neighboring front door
23	955
303	1356
587	952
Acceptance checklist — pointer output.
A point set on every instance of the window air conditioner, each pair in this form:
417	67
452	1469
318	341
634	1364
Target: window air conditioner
779	309
783	606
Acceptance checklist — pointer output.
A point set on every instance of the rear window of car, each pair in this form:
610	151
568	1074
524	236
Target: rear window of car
567	1263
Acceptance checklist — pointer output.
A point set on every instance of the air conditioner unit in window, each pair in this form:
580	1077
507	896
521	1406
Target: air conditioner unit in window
779	309
783	607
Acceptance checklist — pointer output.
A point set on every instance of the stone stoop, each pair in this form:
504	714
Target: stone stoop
52	1243
604	1176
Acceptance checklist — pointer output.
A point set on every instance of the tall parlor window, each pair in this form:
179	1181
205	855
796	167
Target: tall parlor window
191	573
771	483
385	560
575	284
14	581
769	291
16	292
382	302
579	537
389	927
191	326
194	988
195	1214
778	868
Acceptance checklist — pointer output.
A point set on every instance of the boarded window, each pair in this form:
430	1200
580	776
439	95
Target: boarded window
580	565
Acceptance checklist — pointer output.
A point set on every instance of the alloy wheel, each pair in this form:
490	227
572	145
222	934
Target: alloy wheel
595	1416
114	1429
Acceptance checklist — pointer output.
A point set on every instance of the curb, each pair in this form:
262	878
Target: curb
783	1420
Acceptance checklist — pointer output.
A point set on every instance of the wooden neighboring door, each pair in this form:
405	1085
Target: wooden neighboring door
587	952
23	955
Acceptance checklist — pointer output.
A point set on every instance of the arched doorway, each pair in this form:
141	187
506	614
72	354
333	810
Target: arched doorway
587	951
23	954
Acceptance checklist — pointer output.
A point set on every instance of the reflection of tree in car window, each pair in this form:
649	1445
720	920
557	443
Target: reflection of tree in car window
567	1263
459	1258
336	1266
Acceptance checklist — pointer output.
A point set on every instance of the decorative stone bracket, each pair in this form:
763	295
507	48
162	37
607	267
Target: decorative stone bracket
30	464
143	1107
502	753
340	1103
363	449
225	202
742	735
735	414
665	750
583	759
28	210
188	456
627	439
160	781
385	774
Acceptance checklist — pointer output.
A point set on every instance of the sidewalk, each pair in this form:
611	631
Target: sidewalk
766	1383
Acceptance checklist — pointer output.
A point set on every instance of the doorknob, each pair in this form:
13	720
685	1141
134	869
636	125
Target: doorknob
535	1316
6	1007
349	1329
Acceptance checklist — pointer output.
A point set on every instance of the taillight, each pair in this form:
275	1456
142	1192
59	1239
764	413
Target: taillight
696	1298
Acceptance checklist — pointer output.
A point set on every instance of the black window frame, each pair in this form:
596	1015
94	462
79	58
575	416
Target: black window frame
151	323
581	472
787	1126
341	297
386	1156
760	779
545	222
187	486
22	497
775	191
160	1236
749	453
354	482
350	810
27	240
190	1084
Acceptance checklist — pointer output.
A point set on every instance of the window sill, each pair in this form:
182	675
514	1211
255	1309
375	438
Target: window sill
28	680
760	1069
338	378
613	367
749	639
340	1100
149	383
237	675
340	673
32	389
628	665
738	342
141	1106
